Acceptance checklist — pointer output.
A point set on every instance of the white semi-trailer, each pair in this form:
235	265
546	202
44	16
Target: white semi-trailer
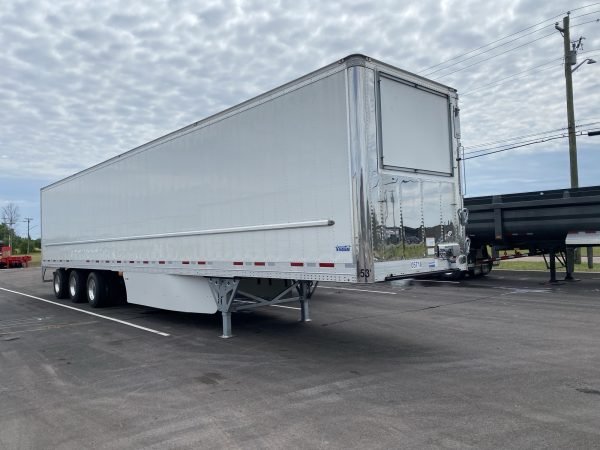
348	174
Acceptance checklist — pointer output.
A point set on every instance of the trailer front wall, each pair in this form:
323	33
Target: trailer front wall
276	171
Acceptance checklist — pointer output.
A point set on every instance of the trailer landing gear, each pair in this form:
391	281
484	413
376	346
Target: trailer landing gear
565	259
234	295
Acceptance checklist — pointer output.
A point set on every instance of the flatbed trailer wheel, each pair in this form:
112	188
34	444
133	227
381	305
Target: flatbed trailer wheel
61	283
77	286
486	268
97	289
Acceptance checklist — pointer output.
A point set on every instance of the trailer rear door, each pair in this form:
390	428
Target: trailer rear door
415	127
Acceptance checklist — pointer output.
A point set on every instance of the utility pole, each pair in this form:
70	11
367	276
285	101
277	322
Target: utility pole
570	50
570	60
28	219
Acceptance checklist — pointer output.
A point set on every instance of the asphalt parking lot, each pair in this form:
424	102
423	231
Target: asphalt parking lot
505	361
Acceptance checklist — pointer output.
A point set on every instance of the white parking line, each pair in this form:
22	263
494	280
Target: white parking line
150	330
288	307
359	290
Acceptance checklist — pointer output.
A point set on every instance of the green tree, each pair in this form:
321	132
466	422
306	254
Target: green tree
10	216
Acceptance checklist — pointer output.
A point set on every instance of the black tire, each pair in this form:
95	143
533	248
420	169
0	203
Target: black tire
77	286
456	275
61	283
97	289
486	268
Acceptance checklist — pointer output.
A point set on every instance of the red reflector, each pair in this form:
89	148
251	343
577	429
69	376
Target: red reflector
131	262
201	262
87	260
185	262
145	262
238	263
96	261
161	262
296	264
259	263
118	262
326	265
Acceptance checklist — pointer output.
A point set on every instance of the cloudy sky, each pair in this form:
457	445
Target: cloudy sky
82	81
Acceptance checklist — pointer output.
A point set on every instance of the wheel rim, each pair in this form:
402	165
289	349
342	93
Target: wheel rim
72	286
92	289
57	284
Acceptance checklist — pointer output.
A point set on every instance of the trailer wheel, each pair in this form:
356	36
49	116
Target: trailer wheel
97	289
486	268
77	286
61	283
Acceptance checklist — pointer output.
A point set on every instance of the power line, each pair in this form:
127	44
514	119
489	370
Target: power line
513	140
486	51
586	14
585	23
525	144
517	75
501	53
495	56
488	44
510	141
536	69
513	76
521	139
506	37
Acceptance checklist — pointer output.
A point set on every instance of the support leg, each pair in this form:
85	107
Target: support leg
305	294
224	291
305	310
570	263
552	266
226	325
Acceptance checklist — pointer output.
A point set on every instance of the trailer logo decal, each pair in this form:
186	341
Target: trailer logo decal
432	264
342	248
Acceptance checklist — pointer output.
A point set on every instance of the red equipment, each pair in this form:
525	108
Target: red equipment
8	261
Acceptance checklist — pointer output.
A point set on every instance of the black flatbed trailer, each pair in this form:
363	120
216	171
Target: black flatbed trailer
538	222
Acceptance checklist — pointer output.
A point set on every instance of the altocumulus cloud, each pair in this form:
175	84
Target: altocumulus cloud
84	81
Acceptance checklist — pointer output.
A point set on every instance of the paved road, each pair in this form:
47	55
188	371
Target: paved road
502	362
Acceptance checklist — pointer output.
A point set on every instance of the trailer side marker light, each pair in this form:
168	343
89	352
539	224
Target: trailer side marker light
185	262
161	262
238	263
326	265
131	262
145	262
259	263
297	264
118	262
